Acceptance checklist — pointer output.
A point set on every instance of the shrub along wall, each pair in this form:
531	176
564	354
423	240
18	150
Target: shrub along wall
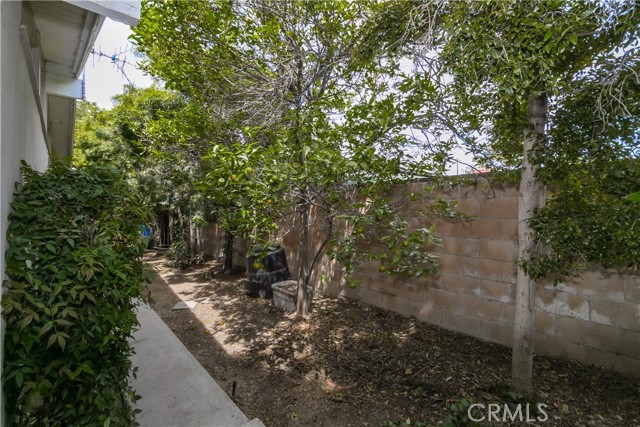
594	318
74	269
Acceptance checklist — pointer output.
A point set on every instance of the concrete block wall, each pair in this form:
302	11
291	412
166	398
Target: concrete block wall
209	239
594	319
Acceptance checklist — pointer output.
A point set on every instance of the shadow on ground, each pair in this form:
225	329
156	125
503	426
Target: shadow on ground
352	365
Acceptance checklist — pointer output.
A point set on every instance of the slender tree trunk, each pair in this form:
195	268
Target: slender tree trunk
304	275
228	252
193	237
522	358
183	231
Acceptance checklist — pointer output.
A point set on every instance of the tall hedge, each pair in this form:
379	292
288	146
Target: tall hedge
75	272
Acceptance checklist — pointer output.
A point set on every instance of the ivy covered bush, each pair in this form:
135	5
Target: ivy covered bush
75	273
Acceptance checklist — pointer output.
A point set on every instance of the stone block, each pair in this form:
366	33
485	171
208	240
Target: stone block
591	334
469	206
482	228
427	313
383	283
397	305
448	192
431	281
510	229
460	246
509	190
509	272
631	344
185	305
499	249
496	291
411	292
449	264
620	314
508	314
459	284
444	299
562	304
351	293
368	267
556	347
481	268
483	189
481	308
370	297
544	323
461	323
632	289
504	208
446	228
498	333
599	284
622	364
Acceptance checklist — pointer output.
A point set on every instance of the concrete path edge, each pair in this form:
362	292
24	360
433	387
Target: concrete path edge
176	390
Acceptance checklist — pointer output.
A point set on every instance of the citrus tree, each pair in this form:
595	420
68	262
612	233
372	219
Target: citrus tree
333	124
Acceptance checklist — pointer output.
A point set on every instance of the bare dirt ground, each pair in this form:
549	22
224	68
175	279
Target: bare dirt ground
349	364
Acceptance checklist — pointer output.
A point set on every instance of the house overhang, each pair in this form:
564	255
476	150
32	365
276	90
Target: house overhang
127	12
57	39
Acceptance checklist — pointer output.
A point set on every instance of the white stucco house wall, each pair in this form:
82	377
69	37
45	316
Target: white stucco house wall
44	46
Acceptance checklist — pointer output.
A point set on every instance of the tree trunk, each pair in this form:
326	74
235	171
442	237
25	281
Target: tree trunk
302	306
164	230
193	238
228	252
522	358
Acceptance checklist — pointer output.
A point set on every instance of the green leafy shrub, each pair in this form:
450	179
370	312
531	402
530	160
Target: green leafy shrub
179	256
75	274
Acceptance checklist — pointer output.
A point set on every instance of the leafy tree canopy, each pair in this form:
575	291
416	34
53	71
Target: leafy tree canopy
330	121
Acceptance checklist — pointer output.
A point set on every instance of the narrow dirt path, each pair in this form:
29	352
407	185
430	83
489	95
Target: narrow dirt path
353	365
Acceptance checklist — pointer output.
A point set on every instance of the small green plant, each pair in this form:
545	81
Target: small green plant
459	416
179	256
419	392
198	259
74	276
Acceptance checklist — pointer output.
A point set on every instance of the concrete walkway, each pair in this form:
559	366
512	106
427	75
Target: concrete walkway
176	390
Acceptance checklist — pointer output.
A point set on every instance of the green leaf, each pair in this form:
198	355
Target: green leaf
25	322
47	326
19	378
61	341
635	197
52	339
